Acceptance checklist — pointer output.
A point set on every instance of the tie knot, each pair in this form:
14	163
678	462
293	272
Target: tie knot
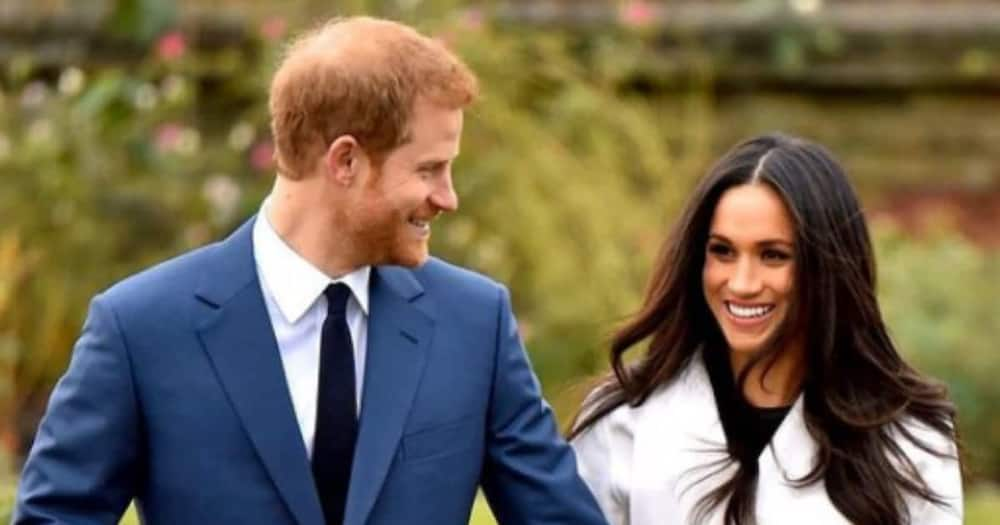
336	297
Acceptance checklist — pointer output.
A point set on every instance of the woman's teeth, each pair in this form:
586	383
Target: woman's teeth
749	312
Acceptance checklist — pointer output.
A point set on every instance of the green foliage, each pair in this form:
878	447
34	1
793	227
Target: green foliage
109	169
937	303
982	505
141	20
566	186
112	168
568	181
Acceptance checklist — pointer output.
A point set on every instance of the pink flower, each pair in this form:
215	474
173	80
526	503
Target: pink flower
167	137
171	46
273	28
637	13
472	19
262	156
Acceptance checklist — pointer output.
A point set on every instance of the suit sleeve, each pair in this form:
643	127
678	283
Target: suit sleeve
82	465
530	474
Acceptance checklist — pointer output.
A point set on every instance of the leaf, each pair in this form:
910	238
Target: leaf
141	20
101	94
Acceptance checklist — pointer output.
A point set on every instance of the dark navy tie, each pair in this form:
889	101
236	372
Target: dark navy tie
336	415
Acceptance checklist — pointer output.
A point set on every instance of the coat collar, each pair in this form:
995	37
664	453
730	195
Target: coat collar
792	450
294	283
680	454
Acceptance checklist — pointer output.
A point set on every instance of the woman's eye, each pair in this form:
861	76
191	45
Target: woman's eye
775	255
719	249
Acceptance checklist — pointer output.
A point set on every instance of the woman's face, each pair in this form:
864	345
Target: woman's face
749	272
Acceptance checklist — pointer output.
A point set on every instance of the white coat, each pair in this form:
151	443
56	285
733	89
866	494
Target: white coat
642	464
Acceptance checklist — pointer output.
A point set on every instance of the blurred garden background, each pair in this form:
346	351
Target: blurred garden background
133	130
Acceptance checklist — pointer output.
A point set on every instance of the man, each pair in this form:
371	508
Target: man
316	366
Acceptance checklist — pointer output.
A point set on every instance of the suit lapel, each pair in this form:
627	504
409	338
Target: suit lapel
399	335
237	335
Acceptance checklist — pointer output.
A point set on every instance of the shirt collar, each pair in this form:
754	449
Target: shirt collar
292	281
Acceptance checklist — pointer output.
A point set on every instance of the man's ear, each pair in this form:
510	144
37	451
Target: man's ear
344	160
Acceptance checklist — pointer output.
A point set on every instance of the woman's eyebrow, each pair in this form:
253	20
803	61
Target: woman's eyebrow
764	242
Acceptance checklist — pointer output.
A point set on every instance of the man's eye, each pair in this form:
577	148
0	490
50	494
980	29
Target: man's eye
427	172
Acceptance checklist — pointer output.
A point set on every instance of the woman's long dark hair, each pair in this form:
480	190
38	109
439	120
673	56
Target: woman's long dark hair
858	391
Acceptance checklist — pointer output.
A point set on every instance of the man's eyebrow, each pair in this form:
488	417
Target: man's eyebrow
433	163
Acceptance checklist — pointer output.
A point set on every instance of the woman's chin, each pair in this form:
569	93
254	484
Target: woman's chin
745	345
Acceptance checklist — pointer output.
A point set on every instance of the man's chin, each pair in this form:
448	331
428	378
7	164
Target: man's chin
411	259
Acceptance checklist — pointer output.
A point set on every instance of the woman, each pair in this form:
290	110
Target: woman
770	391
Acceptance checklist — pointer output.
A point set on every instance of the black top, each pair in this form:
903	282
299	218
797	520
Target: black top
748	428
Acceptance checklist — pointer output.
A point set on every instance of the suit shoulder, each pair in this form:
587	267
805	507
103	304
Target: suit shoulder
161	281
440	273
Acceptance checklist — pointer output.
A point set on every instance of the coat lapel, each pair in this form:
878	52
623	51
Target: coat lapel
237	335
792	451
695	438
703	442
399	335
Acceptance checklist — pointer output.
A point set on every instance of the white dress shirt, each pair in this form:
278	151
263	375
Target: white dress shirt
293	291
643	463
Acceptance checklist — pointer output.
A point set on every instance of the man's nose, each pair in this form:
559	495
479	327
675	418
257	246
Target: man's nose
444	197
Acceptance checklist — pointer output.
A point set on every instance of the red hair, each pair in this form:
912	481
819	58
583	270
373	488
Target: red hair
358	76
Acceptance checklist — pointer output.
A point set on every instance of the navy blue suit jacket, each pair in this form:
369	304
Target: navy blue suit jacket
175	396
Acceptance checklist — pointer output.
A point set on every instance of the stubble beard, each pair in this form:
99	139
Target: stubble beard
379	235
380	230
